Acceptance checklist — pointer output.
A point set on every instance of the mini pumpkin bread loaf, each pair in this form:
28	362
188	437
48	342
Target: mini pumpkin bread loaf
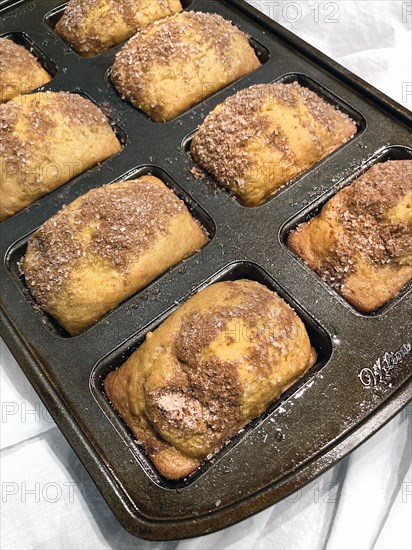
93	26
20	72
215	364
361	242
105	246
47	139
175	63
263	136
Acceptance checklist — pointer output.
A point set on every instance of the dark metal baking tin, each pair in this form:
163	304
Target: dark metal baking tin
335	407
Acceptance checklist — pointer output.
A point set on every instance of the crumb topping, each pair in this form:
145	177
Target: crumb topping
113	222
184	36
224	142
361	210
93	26
14	55
208	398
38	116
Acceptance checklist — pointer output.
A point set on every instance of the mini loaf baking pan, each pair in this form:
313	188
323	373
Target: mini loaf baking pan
363	373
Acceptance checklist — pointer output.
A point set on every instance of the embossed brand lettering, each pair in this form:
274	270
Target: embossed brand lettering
372	377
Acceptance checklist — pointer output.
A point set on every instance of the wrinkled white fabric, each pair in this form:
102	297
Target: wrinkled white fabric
371	38
23	415
48	501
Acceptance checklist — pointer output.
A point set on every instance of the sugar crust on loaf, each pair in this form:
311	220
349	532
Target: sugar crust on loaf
47	139
215	364
264	136
175	63
93	26
105	246
20	71
361	242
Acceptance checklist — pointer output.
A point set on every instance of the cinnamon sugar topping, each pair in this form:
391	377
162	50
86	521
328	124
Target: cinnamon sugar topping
93	26
160	52
225	143
361	210
111	223
164	41
21	155
208	396
14	55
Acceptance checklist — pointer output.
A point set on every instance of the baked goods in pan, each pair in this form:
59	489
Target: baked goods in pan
20	71
215	364
93	26
47	139
263	136
361	242
105	246
179	61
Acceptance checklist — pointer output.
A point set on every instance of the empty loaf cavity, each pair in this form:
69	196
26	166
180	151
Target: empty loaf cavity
263	136
361	242
178	62
47	139
93	26
20	71
215	364
105	246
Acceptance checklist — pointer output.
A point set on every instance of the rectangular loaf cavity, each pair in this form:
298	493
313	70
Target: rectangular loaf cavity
105	246
92	28
48	138
174	64
265	136
360	240
191	327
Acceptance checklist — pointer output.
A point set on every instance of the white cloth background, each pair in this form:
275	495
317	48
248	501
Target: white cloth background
48	501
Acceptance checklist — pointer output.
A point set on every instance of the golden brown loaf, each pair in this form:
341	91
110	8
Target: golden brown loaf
175	63
361	242
20	72
215	364
263	136
105	246
47	139
93	26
